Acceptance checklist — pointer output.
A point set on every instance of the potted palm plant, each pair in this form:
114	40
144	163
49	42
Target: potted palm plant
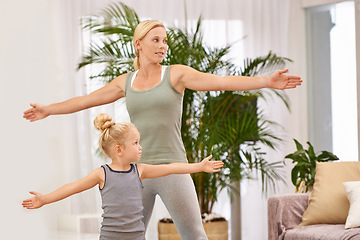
228	125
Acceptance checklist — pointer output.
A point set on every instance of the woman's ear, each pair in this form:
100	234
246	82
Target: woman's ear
137	44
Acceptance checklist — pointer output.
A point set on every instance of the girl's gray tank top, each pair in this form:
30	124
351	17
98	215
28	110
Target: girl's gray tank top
122	205
157	113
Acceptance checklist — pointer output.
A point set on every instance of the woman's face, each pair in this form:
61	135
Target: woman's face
153	46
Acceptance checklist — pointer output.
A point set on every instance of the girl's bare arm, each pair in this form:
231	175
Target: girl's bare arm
152	171
39	200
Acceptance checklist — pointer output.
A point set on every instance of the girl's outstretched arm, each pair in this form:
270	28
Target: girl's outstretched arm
39	200
152	171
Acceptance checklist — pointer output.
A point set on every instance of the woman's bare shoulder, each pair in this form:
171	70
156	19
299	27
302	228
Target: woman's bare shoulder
179	67
120	81
177	71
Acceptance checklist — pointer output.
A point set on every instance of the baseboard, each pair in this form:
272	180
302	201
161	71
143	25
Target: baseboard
84	223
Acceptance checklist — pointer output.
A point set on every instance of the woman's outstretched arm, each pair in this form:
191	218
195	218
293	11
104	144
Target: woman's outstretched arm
186	77
107	94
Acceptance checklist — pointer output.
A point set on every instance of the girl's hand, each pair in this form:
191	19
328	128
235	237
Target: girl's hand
34	202
211	166
278	80
35	113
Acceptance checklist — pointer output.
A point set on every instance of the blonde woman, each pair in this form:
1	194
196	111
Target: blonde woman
154	95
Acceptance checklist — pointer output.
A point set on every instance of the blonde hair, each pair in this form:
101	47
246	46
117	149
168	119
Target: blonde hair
110	132
140	31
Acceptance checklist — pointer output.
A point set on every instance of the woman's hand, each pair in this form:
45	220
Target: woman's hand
211	166
34	202
35	113
278	80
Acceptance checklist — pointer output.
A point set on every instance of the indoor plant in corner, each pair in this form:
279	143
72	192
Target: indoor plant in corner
228	125
303	173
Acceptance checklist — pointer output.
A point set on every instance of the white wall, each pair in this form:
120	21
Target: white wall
35	156
38	156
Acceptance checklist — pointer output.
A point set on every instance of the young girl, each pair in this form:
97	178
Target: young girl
120	182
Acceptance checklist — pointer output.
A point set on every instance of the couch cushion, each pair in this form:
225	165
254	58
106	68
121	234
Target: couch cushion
352	190
322	231
328	202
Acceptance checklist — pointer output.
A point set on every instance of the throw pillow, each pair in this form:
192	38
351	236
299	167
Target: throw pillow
352	190
328	202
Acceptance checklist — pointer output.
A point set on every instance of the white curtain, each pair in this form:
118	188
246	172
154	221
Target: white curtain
261	24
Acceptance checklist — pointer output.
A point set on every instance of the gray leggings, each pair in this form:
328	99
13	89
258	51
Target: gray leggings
177	191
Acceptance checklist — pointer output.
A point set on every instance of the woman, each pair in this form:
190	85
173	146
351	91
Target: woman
154	100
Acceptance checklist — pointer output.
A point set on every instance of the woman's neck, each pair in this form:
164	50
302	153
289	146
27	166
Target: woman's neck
147	70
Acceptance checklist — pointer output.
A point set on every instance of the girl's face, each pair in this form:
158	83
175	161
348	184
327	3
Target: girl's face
154	45
132	150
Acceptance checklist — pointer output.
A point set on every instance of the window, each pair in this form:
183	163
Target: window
333	123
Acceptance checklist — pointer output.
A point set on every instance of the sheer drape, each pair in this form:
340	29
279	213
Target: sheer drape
261	24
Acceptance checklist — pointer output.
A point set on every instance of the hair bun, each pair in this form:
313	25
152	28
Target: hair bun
103	121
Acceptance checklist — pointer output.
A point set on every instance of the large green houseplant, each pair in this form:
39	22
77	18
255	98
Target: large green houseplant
228	125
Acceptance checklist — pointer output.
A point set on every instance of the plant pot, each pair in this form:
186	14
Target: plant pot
214	230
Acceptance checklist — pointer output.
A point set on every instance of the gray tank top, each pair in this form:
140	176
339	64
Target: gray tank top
122	205
157	113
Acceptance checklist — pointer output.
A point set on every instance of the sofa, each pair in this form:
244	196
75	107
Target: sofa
331	211
285	214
